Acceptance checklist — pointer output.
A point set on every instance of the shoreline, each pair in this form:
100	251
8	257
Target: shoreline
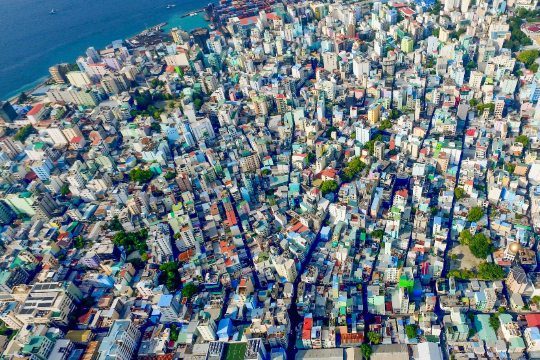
33	86
28	89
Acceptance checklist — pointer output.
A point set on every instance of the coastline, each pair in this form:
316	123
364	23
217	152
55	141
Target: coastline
41	81
30	88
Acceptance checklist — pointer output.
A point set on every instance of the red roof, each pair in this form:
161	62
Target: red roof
533	320
407	11
35	109
272	16
402	193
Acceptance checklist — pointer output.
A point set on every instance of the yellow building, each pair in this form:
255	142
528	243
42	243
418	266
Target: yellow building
374	113
407	44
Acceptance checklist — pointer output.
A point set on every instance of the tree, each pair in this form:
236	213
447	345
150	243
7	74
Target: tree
174	333
155	126
169	175
523	139
377	234
411	330
385	124
465	237
132	241
528	57
197	103
64	190
169	275
329	186
143	100
374	337
79	242
330	130
490	271
475	214
141	176
473	102
4	330
353	168
481	107
189	290
461	274
494	321
370	145
22	98
24	133
481	246
366	351
394	114
266	172
517	37
510	167
459	193
311	157
115	224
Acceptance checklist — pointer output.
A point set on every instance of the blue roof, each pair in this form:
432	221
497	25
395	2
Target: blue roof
165	300
224	326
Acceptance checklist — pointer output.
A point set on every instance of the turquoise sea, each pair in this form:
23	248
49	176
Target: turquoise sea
31	39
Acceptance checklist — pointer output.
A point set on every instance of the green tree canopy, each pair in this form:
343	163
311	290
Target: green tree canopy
366	351
411	330
374	337
353	168
528	57
132	241
465	237
24	133
329	186
459	193
480	246
490	271
475	214
169	276
141	176
494	321
189	290
523	139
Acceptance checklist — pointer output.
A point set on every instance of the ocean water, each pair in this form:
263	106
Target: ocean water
31	39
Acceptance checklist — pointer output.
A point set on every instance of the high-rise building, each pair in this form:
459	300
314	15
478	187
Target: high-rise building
114	84
169	307
58	73
374	113
407	44
161	241
207	328
6	214
120	342
379	150
7	113
9	147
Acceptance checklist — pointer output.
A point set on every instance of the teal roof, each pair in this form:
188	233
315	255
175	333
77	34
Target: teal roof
485	331
517	343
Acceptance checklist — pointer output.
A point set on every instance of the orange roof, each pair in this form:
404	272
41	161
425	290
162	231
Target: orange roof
35	109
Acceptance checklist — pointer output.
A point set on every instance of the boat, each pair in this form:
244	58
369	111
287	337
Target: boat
170	6
192	14
52	12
